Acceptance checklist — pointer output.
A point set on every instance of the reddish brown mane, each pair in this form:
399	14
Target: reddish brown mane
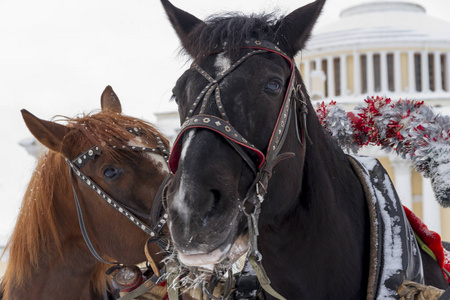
37	228
107	128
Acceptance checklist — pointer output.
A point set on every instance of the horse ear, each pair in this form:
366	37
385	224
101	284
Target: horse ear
296	27
50	134
183	23
110	101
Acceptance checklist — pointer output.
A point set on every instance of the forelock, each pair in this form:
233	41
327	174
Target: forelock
230	31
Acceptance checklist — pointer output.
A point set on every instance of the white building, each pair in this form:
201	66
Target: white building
385	48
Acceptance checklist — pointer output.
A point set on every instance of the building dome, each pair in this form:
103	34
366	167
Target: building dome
380	22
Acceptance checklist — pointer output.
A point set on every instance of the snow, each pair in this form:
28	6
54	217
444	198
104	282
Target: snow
368	162
393	249
392	242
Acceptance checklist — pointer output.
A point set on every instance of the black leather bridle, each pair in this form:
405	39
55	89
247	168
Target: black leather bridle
91	154
265	162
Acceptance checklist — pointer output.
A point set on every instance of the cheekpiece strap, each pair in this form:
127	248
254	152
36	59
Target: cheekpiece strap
114	203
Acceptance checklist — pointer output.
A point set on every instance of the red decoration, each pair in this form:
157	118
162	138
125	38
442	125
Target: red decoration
431	239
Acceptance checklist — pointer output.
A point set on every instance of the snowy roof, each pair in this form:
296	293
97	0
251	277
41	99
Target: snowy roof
381	23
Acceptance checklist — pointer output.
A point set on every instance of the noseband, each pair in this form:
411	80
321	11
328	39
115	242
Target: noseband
91	154
266	162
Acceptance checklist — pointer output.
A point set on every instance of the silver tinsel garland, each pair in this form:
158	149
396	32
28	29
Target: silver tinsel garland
409	128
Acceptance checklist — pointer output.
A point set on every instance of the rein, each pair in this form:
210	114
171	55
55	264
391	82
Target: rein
294	100
91	154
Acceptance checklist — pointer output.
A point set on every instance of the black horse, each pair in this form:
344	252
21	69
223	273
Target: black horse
314	224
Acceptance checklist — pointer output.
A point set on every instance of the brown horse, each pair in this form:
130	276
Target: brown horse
48	256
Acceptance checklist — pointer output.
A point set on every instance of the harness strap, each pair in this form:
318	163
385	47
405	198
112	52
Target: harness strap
83	226
273	157
157	206
146	286
173	286
263	278
255	256
150	259
142	289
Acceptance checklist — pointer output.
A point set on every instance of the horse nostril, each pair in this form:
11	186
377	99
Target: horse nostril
216	195
213	206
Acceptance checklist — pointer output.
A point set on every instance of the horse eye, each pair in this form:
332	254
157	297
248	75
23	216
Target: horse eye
272	87
111	172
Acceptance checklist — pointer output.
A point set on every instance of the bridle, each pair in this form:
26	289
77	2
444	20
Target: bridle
264	166
293	102
94	152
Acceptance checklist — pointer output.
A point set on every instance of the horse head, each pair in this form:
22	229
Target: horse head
128	176
235	104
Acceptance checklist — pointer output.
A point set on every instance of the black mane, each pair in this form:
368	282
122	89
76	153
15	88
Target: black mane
230	31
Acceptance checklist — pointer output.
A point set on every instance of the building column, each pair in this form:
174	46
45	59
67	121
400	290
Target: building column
318	64
437	72
431	208
307	75
383	71
330	76
370	74
356	74
411	72
447	71
397	73
344	88
402	177
424	67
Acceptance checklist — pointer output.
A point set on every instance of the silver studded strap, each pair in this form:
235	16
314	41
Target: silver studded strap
115	204
91	154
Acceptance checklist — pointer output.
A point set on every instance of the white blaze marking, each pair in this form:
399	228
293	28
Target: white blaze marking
222	63
186	144
158	159
179	202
